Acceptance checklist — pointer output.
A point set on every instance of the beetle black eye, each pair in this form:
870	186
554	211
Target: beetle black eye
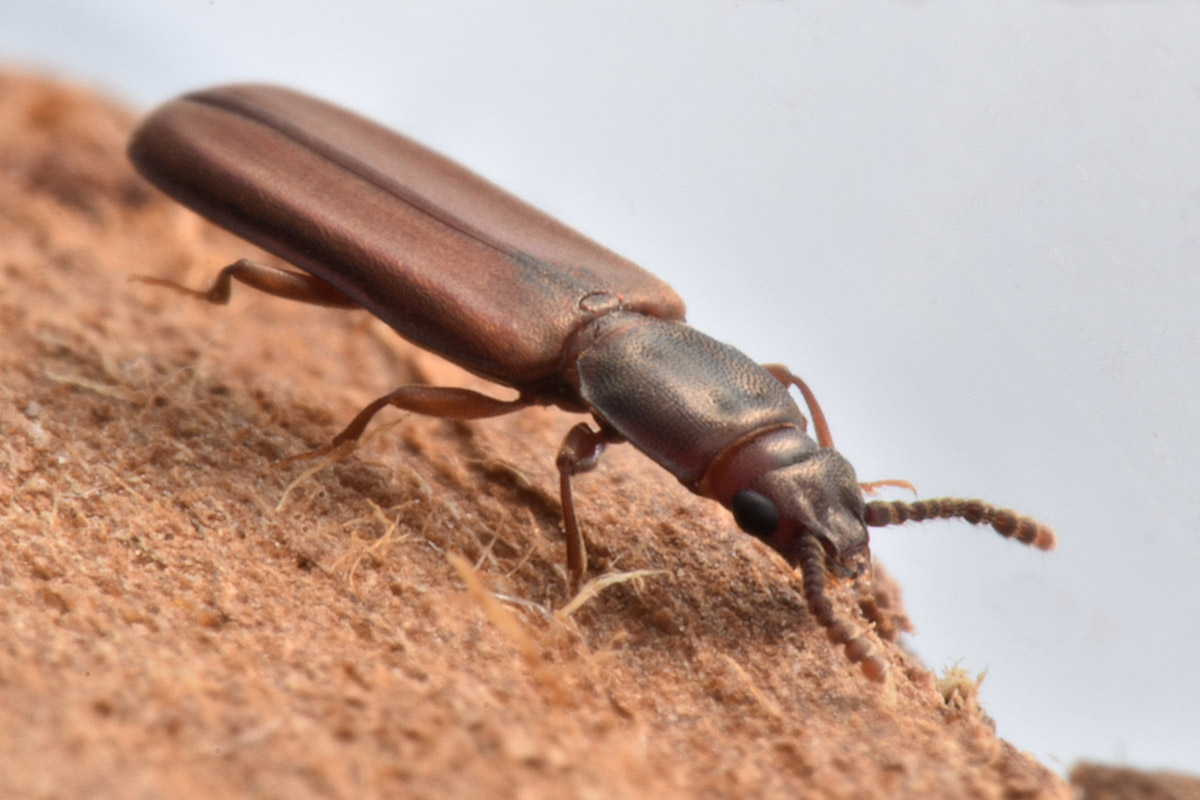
755	514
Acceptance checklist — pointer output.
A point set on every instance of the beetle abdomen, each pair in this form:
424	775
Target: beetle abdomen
452	262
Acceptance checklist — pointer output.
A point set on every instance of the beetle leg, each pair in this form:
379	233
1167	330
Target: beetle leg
896	483
434	401
580	452
785	376
273	280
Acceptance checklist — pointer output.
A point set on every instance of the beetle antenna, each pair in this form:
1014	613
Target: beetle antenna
1005	521
858	648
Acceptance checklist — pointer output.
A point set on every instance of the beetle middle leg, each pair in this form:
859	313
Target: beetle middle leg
580	451
433	401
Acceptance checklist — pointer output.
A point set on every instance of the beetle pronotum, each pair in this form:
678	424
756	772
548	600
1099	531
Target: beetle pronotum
461	268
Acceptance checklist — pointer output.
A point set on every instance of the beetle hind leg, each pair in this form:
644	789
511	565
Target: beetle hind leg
276	281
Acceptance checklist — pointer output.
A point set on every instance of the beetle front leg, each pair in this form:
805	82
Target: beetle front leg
824	438
580	452
788	378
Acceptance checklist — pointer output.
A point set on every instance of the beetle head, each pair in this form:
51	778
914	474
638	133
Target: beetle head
817	498
812	512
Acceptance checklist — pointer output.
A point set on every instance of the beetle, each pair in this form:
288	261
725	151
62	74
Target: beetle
467	271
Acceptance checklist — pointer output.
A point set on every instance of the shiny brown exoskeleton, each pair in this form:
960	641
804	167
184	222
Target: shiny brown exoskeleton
467	271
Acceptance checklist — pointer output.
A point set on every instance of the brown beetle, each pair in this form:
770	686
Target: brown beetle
463	269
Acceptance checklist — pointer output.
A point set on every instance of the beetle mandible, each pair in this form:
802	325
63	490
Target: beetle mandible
467	271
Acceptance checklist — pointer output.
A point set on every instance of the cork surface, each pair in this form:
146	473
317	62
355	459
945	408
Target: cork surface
182	617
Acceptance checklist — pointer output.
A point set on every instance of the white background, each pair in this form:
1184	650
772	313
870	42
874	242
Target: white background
974	228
